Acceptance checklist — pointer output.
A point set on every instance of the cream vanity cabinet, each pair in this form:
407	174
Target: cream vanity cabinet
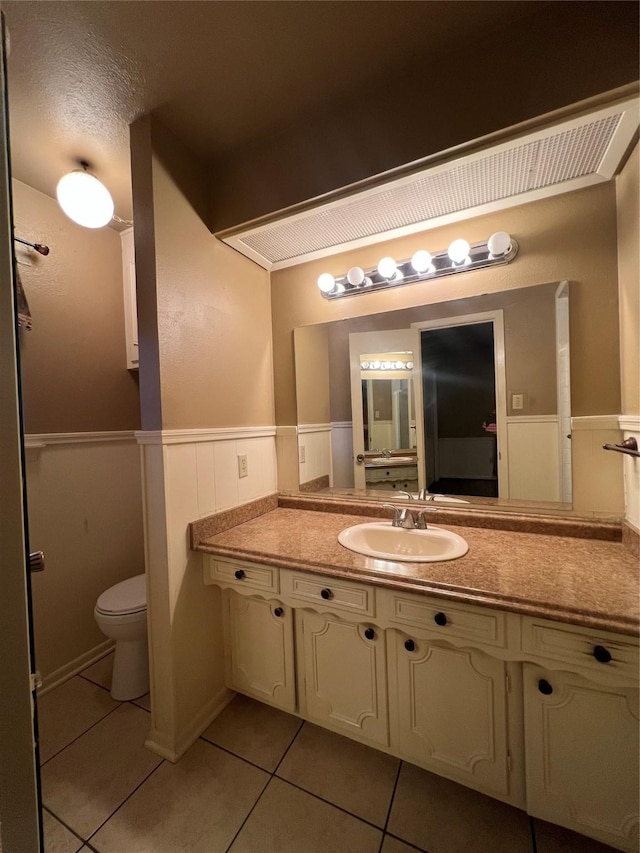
581	717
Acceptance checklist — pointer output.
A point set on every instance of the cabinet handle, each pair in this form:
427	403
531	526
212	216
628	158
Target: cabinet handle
440	619
326	594
409	645
544	687
239	573
370	634
601	654
278	612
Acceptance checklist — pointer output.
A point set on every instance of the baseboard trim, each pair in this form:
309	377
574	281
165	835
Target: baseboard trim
164	746
64	673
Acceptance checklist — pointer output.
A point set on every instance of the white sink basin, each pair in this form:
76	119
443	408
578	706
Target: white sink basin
380	539
394	460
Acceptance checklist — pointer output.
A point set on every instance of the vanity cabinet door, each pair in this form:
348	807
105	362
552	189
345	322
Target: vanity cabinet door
450	711
345	683
260	659
582	755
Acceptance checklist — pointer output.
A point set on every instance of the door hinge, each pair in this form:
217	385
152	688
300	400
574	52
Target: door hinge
509	762
36	680
507	680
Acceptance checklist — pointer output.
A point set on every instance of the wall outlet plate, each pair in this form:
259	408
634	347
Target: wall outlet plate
243	465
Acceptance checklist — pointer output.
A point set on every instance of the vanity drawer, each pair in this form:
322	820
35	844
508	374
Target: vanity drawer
331	593
446	618
240	574
599	651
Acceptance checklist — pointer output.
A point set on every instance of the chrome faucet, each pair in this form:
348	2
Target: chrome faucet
386	453
403	517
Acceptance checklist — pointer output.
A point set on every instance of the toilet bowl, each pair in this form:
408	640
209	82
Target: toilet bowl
121	614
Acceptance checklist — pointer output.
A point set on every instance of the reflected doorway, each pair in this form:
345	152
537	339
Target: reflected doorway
459	399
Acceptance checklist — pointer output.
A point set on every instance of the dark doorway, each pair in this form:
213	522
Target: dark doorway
458	379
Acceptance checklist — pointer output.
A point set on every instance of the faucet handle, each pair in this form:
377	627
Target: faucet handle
397	514
421	522
408	494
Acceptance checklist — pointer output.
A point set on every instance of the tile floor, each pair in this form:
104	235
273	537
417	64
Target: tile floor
257	781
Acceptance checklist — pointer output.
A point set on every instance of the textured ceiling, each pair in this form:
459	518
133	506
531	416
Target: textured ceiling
217	73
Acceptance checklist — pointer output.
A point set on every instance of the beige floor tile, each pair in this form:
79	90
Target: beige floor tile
143	702
443	817
556	839
100	672
89	780
57	838
254	731
287	820
348	774
197	805
392	845
68	711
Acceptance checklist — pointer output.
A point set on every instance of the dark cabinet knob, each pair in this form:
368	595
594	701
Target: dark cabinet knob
326	594
409	645
239	573
601	654
370	634
544	687
440	619
278	612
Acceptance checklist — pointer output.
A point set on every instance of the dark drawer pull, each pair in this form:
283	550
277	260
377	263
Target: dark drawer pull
326	594
239	573
370	634
544	687
440	619
409	645
278	612
601	654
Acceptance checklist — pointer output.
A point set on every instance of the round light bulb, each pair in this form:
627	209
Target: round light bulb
367	281
364	365
85	199
340	288
499	243
375	365
421	261
458	251
355	276
387	267
326	282
409	365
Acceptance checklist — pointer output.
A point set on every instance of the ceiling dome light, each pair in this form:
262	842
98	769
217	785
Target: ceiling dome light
499	244
85	199
355	276
458	251
387	268
421	261
326	282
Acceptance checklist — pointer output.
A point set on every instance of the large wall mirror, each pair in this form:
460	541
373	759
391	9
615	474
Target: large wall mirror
467	400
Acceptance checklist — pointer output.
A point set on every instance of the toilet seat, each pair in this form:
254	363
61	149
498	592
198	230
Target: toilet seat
126	597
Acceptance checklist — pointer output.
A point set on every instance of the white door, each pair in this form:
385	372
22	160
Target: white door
406	341
19	777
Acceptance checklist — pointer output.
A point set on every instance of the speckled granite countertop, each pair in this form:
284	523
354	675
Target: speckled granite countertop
582	581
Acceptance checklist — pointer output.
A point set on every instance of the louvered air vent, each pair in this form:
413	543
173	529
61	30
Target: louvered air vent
574	154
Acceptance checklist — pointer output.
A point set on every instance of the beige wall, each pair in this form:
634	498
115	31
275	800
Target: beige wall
312	374
571	236
627	184
198	301
558	55
74	376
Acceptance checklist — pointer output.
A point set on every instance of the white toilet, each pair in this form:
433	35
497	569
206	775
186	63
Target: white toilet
121	614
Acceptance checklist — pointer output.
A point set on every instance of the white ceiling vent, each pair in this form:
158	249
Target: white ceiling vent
571	155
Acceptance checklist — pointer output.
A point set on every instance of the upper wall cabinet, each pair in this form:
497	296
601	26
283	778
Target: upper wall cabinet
129	293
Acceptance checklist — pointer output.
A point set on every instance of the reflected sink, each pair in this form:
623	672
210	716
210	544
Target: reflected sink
446	499
382	540
384	460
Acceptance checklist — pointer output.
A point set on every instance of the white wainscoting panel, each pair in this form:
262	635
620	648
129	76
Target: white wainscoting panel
85	513
598	480
342	454
316	440
534	458
630	426
287	458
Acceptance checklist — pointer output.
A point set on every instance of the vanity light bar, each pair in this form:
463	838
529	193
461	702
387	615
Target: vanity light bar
459	257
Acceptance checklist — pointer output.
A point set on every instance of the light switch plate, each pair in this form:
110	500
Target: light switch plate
243	465
517	401
303	453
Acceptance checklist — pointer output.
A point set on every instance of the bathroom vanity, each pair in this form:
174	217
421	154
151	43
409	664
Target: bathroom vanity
513	670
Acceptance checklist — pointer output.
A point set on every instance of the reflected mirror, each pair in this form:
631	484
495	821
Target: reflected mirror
482	412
